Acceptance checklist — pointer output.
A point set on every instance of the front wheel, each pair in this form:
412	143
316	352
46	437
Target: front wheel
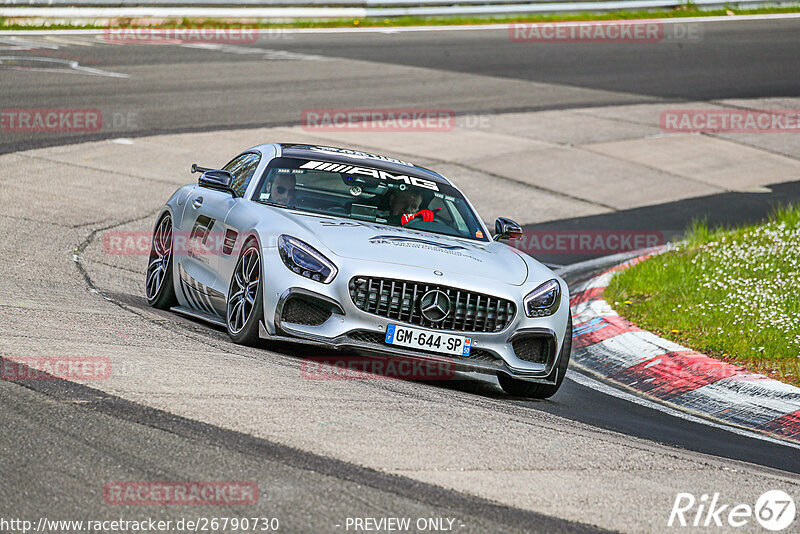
159	288
245	297
521	388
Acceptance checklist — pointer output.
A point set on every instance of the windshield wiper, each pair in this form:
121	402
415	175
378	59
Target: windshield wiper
275	204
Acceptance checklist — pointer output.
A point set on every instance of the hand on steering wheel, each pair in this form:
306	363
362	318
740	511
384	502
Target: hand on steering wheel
427	216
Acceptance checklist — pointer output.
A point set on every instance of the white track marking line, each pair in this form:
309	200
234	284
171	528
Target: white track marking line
583	380
68	41
266	53
74	66
16	41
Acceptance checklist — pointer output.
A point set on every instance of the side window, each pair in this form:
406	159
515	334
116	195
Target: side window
242	168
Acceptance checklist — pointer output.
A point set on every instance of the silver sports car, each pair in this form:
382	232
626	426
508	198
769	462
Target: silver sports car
350	250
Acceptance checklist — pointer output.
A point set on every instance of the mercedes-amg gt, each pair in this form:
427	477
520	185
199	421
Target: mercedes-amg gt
350	250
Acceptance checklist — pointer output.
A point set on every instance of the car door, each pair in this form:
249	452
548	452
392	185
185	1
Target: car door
209	239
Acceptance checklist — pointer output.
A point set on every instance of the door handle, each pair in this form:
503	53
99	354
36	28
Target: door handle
197	202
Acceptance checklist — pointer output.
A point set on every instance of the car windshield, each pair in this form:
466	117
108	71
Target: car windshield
368	194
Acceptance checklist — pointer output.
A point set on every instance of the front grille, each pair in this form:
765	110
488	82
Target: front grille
299	310
366	336
534	349
399	299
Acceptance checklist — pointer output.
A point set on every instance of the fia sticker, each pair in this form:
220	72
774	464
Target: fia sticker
355	190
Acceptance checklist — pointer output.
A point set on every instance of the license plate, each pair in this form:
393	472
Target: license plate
427	340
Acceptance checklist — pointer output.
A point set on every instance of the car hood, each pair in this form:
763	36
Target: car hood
359	240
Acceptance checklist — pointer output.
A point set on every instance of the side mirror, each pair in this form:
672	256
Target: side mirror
219	180
506	229
197	168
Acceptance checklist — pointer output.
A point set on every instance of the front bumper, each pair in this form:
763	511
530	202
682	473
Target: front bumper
348	327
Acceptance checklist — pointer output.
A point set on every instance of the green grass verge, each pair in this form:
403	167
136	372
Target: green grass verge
687	10
731	294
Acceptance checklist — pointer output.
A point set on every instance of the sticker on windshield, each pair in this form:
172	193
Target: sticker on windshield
366	171
357	154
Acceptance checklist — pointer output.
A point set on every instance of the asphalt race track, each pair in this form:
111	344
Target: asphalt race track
217	87
62	441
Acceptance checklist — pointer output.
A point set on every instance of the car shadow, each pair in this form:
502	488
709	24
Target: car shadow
365	365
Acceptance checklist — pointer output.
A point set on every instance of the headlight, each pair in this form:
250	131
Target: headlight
305	260
544	300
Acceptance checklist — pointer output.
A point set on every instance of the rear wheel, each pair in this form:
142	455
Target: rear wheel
245	297
521	388
159	288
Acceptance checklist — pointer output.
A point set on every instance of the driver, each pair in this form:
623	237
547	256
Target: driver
402	203
404	207
282	189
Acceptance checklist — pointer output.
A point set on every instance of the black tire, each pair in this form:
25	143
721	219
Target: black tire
245	303
521	388
159	285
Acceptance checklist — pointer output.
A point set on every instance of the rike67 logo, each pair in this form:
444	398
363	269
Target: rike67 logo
774	510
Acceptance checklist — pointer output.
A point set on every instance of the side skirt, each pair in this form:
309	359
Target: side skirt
195	314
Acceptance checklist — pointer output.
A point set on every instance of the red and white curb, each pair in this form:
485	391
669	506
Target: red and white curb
612	347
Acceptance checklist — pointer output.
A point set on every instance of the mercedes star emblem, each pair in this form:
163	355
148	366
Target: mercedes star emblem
434	305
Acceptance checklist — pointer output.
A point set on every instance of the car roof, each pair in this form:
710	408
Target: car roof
357	157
